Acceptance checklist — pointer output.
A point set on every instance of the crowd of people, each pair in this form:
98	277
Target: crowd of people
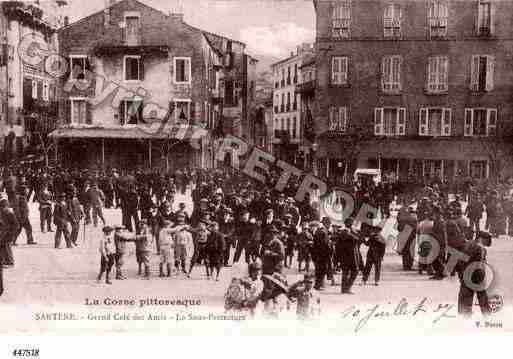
235	215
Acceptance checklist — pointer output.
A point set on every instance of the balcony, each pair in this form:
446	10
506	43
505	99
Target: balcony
282	108
306	87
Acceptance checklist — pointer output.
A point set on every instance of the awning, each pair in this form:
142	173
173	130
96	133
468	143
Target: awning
157	132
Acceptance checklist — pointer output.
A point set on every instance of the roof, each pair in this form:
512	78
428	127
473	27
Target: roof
117	132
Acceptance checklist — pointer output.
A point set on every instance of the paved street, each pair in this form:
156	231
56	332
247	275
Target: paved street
46	276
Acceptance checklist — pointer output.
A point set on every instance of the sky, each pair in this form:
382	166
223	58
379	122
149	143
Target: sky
270	28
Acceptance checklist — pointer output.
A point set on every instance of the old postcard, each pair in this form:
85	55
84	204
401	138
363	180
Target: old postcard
256	167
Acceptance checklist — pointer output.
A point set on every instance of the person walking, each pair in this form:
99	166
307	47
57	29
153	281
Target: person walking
22	213
45	209
61	218
96	200
107	254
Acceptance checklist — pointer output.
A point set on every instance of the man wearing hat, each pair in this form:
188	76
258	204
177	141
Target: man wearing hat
166	247
9	228
22	212
347	248
107	254
183	243
321	253
199	212
76	216
273	253
245	232
120	241
215	250
143	246
200	238
375	253
61	218
45	209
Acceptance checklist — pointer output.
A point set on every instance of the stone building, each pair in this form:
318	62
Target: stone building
146	67
425	85
28	106
287	104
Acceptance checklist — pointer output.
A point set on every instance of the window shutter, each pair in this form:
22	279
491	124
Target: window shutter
431	74
344	68
467	131
34	89
67	111
401	122
378	121
332	119
492	122
474	73
40	90
423	122
122	113
141	68
492	17
479	15
446	122
490	67
342	118
89	114
385	73
335	70
398	83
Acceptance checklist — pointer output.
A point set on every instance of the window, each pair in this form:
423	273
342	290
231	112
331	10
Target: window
182	111
295	73
288	76
389	121
392	21
130	112
485	18
338	119
34	89
79	111
438	14
341	19
132	30
478	169
288	101
480	121
482	73
46	91
437	74
133	68
182	68
282	77
282	102
435	122
391	79
339	66
294	128
288	125
79	66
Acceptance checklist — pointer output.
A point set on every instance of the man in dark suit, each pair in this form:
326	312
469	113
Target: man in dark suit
347	251
321	253
375	253
8	228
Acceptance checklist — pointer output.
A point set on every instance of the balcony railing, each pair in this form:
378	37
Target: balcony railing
306	87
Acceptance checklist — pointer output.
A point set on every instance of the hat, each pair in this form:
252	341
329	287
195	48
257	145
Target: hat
308	277
107	229
203	200
119	228
167	222
315	224
291	200
181	205
269	210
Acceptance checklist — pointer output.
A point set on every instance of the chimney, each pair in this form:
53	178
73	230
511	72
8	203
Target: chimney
66	20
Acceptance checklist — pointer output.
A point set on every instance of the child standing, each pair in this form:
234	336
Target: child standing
107	252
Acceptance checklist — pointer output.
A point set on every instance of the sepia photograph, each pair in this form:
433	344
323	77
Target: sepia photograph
255	167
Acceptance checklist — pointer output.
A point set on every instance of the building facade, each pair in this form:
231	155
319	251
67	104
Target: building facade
306	91
146	67
29	107
425	85
287	104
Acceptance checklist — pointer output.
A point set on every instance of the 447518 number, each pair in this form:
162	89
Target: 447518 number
25	353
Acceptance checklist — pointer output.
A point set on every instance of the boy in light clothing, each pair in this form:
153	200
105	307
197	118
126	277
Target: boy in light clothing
107	253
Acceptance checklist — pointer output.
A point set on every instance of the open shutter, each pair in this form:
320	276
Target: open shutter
141	68
467	130
378	121
89	114
492	17
446	122
342	119
474	73
122	113
479	15
335	70
344	67
401	122
40	90
491	122
490	67
423	122
332	125
67	111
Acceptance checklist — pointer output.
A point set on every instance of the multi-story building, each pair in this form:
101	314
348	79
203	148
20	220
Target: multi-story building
28	106
146	66
306	91
426	86
287	104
